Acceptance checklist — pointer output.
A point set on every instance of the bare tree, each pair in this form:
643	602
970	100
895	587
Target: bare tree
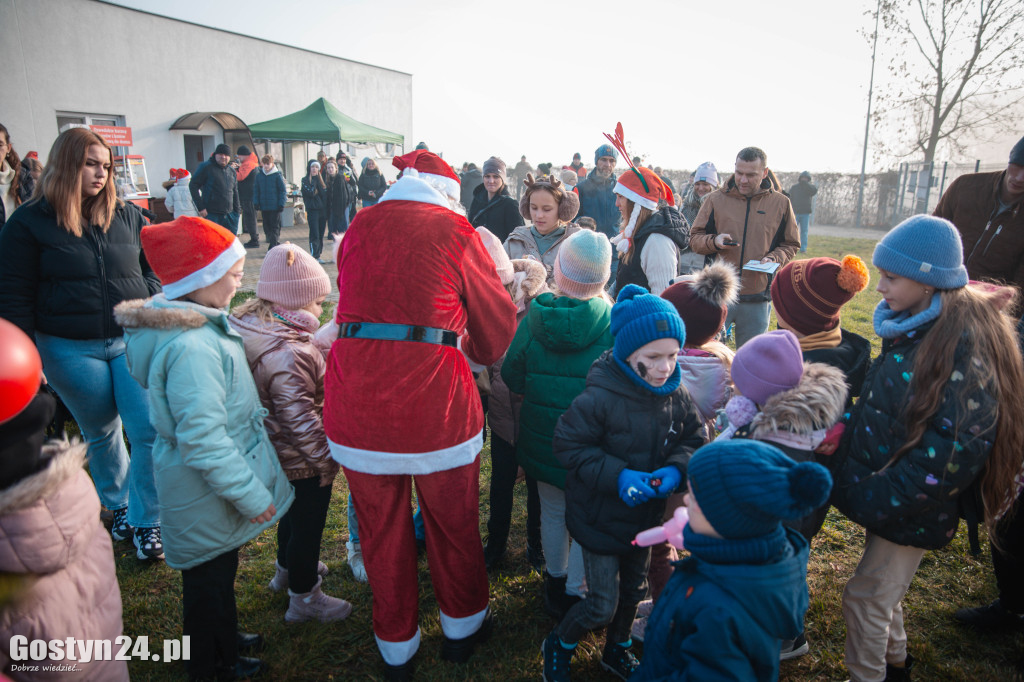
957	73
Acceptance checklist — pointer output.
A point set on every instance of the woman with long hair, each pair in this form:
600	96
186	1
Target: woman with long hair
937	433
10	176
314	198
66	259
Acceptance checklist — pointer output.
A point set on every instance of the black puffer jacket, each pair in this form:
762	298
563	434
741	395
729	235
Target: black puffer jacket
67	286
918	500
214	188
372	181
614	425
667	221
852	356
500	215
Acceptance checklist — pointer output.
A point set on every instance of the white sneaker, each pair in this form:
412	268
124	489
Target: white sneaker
316	605
355	562
280	580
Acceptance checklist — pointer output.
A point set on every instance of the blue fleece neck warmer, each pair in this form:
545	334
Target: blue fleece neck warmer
763	549
890	324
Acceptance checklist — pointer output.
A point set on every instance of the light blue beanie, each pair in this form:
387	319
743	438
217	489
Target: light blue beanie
925	249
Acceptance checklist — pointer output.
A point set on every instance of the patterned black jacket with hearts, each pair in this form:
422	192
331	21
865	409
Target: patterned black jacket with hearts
918	500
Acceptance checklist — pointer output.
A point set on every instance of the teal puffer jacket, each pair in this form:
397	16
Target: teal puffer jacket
553	349
214	464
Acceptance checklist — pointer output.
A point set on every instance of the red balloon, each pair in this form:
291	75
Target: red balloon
21	370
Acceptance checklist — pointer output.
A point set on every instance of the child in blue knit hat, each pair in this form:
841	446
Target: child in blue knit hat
625	442
936	435
744	587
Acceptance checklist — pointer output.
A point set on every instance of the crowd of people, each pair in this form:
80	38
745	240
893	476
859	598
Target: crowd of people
576	319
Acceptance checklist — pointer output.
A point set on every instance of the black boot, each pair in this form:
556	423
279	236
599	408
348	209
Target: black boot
894	674
459	650
554	596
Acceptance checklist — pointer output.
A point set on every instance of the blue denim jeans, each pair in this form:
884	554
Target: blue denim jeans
751	319
353	523
616	584
804	221
92	379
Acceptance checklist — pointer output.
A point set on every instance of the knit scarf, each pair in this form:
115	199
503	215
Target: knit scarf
303	320
891	325
826	339
669	386
765	549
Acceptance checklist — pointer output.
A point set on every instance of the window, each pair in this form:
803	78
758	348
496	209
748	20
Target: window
67	120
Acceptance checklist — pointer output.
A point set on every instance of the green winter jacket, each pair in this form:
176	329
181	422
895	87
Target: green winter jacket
553	349
214	464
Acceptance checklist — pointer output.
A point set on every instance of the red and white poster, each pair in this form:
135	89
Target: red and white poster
116	136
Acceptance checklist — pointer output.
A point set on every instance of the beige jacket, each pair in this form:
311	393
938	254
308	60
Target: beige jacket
763	224
61	560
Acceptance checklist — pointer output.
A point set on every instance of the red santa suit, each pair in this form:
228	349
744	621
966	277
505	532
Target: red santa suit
395	410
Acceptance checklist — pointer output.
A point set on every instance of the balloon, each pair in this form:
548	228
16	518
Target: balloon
671	531
21	370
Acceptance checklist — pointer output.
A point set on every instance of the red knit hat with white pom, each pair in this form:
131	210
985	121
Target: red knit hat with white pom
644	188
428	166
189	253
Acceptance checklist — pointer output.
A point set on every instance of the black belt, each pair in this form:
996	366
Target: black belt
397	332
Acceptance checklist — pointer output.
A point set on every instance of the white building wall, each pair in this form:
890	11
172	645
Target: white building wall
91	57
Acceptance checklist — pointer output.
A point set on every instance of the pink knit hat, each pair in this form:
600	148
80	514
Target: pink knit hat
501	261
292	278
583	264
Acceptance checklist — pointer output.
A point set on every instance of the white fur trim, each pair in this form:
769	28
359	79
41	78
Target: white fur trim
208	274
398	653
412	188
411	463
460	628
634	197
451	186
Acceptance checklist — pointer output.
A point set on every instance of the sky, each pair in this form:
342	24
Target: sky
690	82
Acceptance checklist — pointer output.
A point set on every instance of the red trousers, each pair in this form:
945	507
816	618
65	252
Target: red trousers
449	501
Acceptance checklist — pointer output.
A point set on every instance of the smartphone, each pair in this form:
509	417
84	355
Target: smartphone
730	242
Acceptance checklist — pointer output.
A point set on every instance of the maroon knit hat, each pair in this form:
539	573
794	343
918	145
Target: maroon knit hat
807	294
703	300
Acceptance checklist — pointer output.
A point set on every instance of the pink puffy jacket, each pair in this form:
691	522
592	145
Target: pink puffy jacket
53	543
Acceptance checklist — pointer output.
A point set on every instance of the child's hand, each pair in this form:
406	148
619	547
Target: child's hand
265	516
634	487
668	479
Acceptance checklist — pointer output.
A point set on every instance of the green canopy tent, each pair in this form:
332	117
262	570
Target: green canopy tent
323	123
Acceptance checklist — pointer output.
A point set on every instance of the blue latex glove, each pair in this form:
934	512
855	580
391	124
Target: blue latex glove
634	488
670	478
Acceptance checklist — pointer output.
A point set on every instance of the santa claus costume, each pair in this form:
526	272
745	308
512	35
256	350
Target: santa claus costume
418	295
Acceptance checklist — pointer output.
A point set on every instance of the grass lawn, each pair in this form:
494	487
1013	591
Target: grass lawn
946	580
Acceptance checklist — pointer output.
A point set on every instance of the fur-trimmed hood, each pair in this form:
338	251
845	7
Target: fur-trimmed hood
151	323
817	402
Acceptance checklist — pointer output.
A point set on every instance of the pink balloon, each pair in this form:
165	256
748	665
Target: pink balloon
21	370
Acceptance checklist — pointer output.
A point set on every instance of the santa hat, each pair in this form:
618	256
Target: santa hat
189	253
429	167
703	300
643	187
808	294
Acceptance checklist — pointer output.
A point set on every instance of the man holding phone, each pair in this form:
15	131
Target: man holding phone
748	219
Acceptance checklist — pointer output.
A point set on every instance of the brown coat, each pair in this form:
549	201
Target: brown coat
289	373
764	225
52	541
993	245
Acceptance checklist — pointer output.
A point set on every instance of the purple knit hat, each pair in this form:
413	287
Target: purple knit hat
292	278
583	264
768	364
